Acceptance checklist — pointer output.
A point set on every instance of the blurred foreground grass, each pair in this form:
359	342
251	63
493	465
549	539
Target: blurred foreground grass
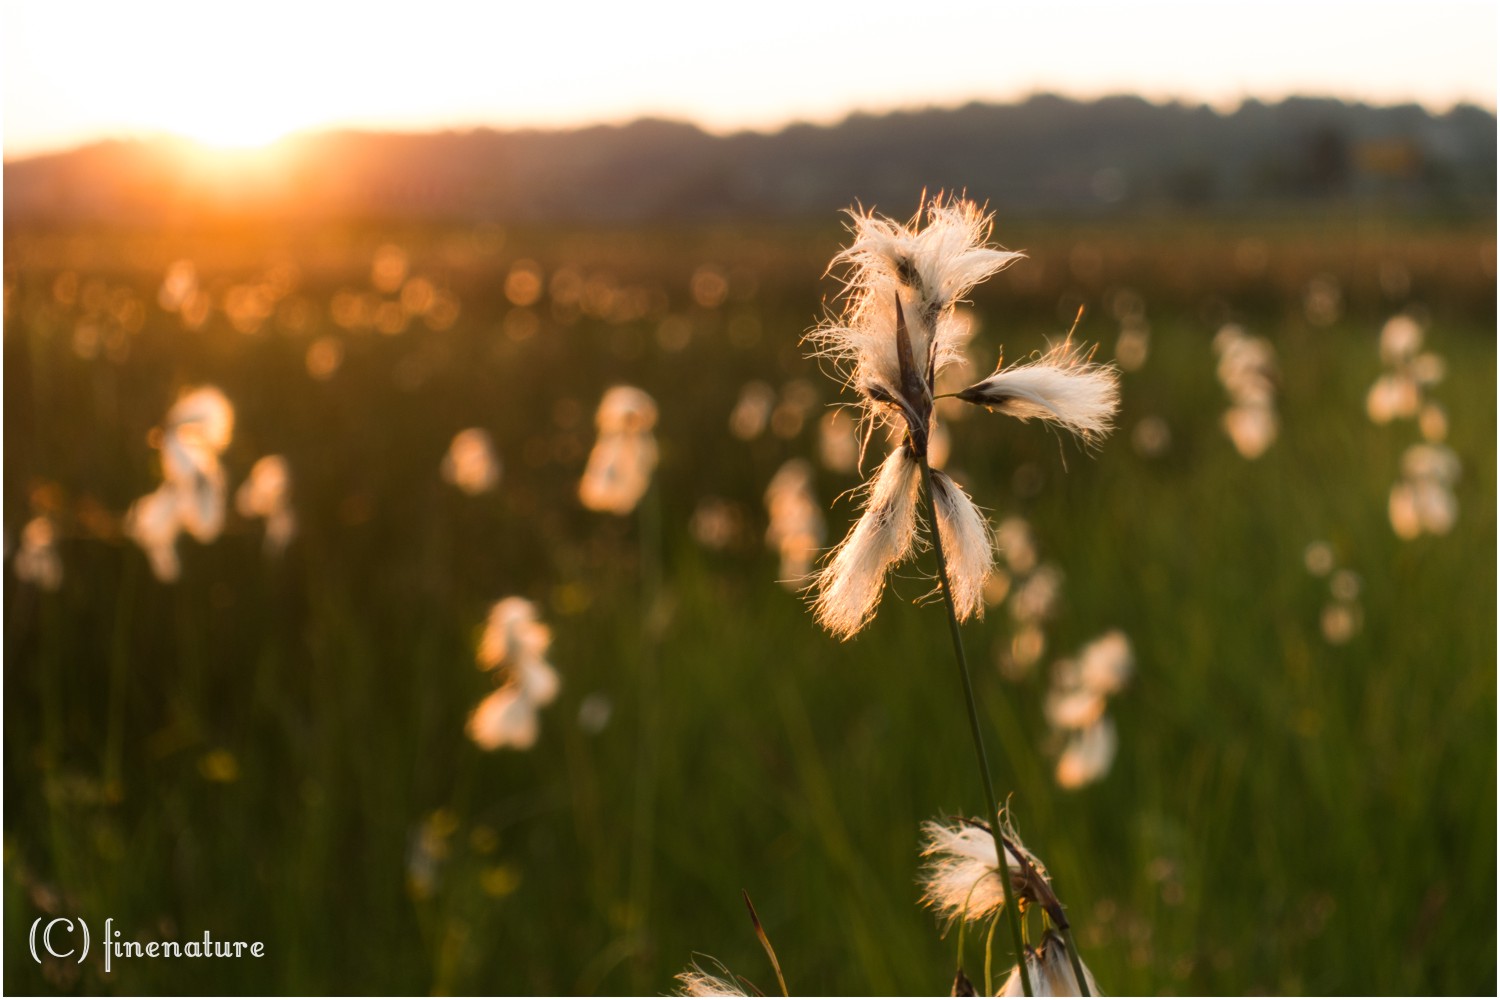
274	750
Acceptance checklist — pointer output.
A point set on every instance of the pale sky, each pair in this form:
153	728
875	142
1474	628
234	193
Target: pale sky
242	73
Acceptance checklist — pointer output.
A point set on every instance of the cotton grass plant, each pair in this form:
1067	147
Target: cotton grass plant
617	480
895	335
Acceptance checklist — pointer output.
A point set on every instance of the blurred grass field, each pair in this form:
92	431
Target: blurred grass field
274	750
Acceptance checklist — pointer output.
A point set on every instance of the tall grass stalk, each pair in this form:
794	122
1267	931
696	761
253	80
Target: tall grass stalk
643	825
992	810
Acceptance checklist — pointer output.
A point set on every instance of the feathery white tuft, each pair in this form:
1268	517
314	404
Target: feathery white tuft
470	462
930	267
796	530
1088	754
153	523
205	416
512	635
1400	340
37	561
624	456
1105	665
966	544
197	430
962	878
1062	386
850	584
505	718
1247	369
698	983
514	645
1050	971
266	494
1076	704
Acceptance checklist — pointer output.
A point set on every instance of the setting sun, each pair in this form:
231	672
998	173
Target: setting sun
212	128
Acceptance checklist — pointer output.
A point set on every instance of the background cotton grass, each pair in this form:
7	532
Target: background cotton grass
1423	500
198	428
152	522
1247	370
799	767
471	463
1076	704
624	455
36	560
193	494
513	648
796	530
266	494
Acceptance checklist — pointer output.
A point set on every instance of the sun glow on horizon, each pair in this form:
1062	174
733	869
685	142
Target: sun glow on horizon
232	135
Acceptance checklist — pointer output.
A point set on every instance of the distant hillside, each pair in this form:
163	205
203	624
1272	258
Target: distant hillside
1046	155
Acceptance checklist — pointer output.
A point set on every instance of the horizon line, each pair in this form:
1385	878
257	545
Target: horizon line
1225	107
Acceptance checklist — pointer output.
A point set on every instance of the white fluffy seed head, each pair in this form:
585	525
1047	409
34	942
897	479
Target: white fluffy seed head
930	268
966	545
962	878
190	465
1050	971
512	634
204	416
698	983
537	680
849	586
1088	754
796	530
513	644
1105	665
1400	340
1063	386
471	463
1431	462
1394	395
1071	706
153	523
1252	428
505	718
266	490
618	472
1035	598
624	456
266	493
627	410
280	527
1013	536
37	561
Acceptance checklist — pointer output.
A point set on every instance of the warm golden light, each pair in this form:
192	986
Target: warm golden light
231	78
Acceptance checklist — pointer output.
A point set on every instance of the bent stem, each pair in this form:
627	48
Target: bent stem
992	809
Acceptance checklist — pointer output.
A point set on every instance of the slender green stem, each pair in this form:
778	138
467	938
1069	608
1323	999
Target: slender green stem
119	657
643	827
1077	963
989	953
992	810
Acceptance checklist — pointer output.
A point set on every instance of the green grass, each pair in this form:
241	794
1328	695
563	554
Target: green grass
1283	816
